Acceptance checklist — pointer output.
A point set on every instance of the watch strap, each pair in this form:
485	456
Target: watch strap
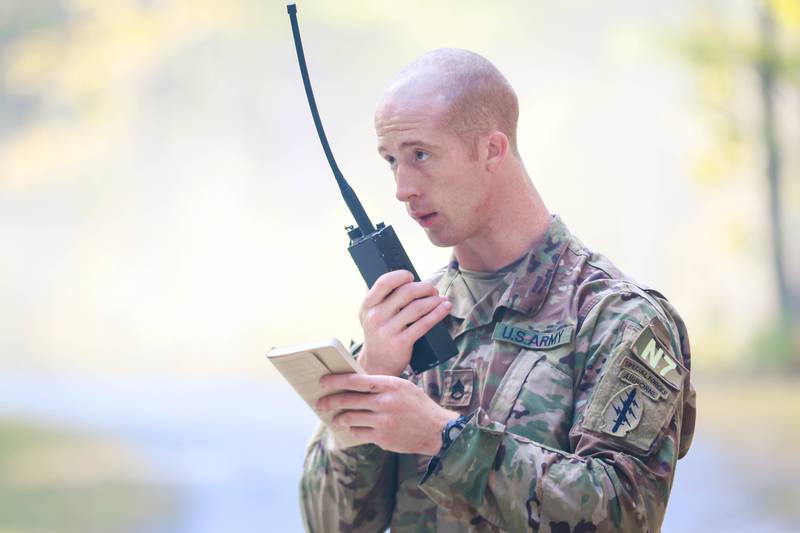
448	437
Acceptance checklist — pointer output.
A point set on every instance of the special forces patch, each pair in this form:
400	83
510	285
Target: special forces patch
458	383
623	412
634	373
634	401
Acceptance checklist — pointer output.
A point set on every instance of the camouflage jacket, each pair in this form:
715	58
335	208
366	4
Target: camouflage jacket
578	382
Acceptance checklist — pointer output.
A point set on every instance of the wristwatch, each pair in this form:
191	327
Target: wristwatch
452	430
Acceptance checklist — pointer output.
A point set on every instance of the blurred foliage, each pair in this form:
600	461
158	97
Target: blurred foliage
89	87
775	348
56	480
724	48
746	64
71	72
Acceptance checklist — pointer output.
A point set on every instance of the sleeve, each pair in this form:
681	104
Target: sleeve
628	398
350	489
346	489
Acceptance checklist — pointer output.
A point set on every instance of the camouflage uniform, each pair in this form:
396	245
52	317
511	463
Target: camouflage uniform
578	381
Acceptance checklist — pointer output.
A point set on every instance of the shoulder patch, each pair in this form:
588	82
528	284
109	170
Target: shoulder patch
634	373
630	404
623	411
657	356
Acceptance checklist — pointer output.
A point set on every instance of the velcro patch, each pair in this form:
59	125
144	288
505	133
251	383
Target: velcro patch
658	357
533	339
630	404
458	384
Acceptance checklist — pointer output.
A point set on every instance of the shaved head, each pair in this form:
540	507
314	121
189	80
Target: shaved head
473	96
447	127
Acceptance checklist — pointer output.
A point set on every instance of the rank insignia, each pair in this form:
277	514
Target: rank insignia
457	389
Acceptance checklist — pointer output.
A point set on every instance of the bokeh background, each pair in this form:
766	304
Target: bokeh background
167	216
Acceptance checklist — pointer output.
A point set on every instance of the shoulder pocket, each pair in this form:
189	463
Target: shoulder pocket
631	405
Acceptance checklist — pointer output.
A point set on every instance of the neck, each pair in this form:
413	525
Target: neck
517	219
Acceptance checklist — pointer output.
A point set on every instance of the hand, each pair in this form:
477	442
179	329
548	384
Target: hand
395	313
388	411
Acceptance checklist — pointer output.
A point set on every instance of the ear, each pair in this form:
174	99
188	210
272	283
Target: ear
497	150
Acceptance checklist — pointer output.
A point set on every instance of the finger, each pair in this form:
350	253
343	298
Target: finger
347	400
424	324
384	285
405	295
355	382
414	311
363	419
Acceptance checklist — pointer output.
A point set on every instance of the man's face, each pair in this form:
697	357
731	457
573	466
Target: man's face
445	189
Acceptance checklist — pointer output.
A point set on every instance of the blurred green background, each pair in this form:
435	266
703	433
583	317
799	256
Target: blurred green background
167	216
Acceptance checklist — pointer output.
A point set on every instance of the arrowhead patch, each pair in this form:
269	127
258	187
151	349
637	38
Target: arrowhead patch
623	412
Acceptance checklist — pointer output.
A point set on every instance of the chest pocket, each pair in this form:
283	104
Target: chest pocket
534	398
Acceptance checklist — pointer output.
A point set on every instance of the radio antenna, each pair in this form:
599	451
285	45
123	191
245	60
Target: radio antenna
350	198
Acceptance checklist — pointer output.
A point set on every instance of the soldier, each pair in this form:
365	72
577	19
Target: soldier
569	401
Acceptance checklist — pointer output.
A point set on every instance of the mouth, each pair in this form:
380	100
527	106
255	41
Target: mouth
426	220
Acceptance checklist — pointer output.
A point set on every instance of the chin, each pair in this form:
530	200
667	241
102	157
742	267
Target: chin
441	240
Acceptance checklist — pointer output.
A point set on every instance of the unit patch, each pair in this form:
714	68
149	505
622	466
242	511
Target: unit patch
623	412
533	339
634	373
457	387
652	352
633	401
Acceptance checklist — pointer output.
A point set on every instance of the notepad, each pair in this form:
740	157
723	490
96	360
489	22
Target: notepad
302	366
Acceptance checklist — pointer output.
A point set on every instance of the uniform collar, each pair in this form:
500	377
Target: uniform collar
523	289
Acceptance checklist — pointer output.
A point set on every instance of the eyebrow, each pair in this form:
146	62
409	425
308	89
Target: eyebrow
406	144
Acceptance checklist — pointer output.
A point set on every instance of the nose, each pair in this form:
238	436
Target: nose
405	184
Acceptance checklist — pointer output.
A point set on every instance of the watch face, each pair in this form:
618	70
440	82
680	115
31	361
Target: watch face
455	426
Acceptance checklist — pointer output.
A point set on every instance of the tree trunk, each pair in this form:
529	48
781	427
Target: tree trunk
766	68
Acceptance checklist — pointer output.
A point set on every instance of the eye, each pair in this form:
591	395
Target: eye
421	156
390	159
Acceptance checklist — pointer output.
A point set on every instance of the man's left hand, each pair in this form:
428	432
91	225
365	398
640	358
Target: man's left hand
388	411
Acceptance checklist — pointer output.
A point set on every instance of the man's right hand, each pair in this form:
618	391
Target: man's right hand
395	313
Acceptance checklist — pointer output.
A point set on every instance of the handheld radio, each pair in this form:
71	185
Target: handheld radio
375	250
